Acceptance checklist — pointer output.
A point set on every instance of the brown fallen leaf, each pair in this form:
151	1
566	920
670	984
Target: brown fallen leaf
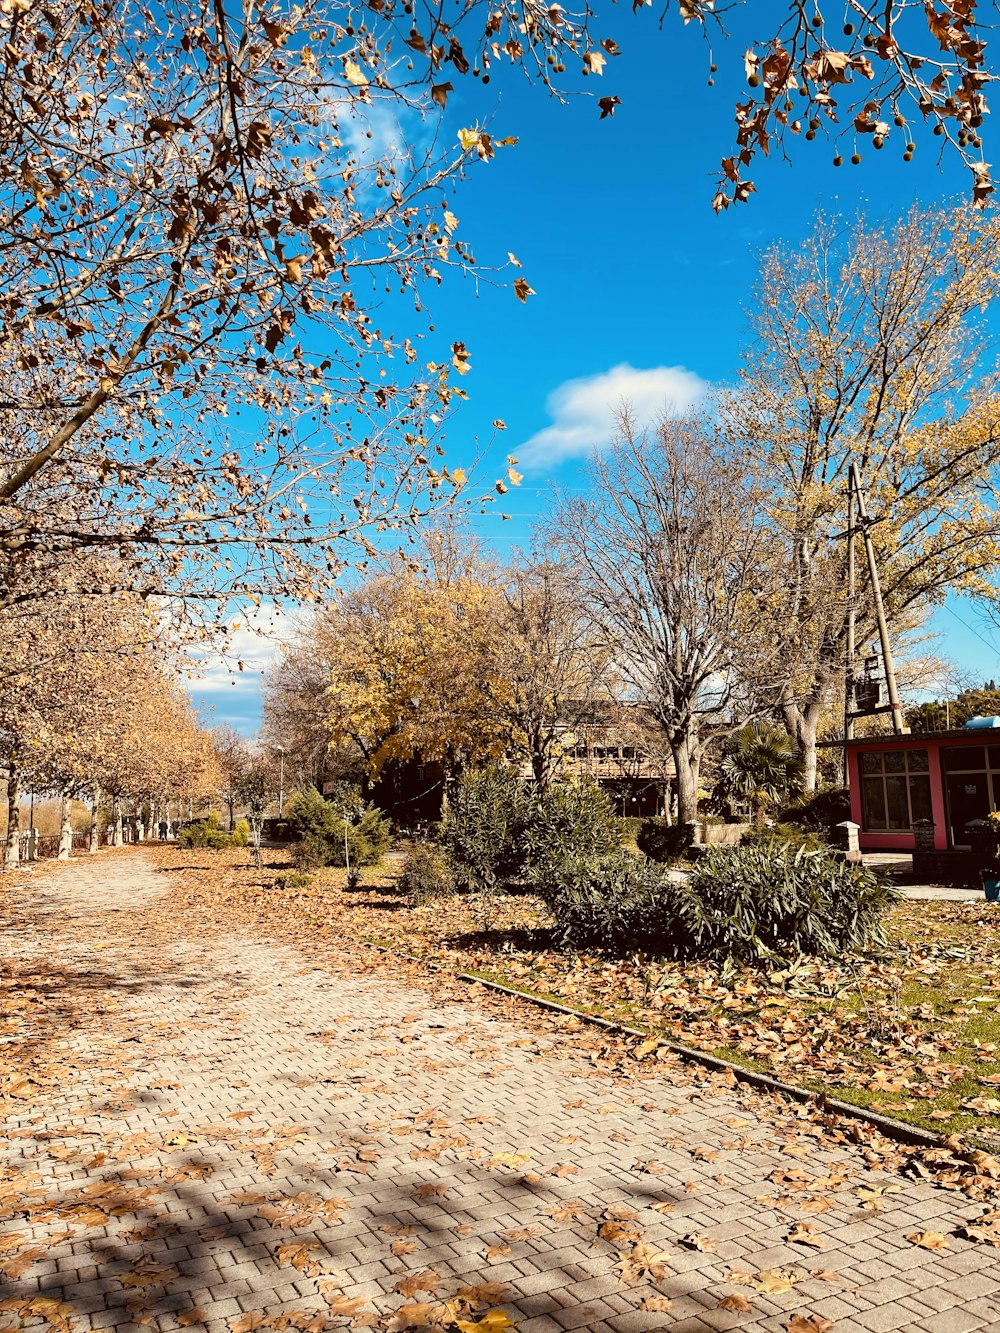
773	1281
416	1314
348	1306
566	1212
414	1282
641	1263
401	1247
736	1303
149	1275
808	1324
929	1240
522	1233
657	1304
299	1255
703	1243
648	1168
484	1293
188	1317
804	1233
246	1323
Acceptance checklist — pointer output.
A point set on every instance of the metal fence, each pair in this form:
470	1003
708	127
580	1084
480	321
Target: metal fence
47	845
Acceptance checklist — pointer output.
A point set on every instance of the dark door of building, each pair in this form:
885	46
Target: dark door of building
968	798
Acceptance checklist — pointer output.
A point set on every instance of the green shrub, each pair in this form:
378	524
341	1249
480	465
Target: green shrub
662	841
323	826
293	879
613	902
754	903
820	812
744	904
482	830
791	836
426	875
311	816
630	826
310	853
569	819
204	833
241	833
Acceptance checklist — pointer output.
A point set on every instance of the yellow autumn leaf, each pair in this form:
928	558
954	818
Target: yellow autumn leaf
354	74
511	1159
468	138
450	221
493	1322
458	476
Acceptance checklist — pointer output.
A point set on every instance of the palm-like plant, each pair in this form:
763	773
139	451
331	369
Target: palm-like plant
760	767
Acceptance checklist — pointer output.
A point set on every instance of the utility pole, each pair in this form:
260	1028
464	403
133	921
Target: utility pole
895	707
850	699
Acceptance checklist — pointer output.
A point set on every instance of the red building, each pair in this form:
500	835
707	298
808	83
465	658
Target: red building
947	777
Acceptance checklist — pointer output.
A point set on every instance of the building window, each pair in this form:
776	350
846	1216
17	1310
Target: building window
895	790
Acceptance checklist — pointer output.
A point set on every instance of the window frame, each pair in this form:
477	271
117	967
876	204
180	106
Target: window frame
867	778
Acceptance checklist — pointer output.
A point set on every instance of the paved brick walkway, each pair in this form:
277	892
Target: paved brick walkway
232	1132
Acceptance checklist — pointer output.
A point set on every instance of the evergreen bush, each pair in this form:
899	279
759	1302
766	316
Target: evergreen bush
821	812
791	836
322	826
569	819
745	904
205	833
293	879
241	833
755	903
662	841
427	875
614	902
483	828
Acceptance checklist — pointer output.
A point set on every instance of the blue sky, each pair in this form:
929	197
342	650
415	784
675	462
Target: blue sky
641	290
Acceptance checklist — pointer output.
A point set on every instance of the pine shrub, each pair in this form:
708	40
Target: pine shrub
322	826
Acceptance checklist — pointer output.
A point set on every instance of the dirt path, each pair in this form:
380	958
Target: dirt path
220	1133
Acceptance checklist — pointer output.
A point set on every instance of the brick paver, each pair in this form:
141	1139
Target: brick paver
243	1132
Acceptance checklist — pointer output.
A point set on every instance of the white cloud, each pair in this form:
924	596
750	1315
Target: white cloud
216	681
583	411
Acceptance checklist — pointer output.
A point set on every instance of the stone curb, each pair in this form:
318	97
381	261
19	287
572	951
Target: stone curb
893	1129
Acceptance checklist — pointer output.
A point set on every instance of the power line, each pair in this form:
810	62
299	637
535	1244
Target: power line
974	632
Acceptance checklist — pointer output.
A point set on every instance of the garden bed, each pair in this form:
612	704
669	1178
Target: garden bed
914	1034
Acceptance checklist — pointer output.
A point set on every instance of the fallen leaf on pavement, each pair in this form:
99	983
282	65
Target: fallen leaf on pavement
737	1303
928	1240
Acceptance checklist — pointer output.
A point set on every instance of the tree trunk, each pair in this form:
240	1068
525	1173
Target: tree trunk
541	770
117	837
12	855
95	833
231	802
803	727
65	828
687	764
